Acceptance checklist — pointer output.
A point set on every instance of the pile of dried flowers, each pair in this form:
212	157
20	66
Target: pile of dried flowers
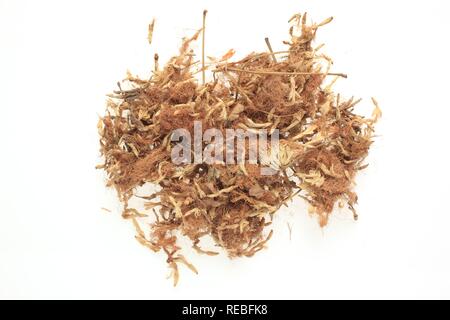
322	144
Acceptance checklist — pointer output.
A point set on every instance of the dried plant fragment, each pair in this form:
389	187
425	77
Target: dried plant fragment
151	26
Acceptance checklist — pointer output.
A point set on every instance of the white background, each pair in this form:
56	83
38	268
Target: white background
58	59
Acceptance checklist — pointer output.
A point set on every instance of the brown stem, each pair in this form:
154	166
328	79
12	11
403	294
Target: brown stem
279	73
203	46
270	49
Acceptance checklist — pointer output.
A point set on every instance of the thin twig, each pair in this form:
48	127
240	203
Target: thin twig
203	46
156	59
279	73
290	231
270	49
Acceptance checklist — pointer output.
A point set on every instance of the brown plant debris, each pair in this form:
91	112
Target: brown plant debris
322	144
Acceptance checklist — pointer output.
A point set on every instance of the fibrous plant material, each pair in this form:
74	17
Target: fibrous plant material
322	144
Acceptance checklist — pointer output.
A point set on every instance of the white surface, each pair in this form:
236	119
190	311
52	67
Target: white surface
59	58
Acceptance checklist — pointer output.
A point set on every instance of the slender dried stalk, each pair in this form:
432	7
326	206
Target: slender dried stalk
270	49
203	46
278	73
